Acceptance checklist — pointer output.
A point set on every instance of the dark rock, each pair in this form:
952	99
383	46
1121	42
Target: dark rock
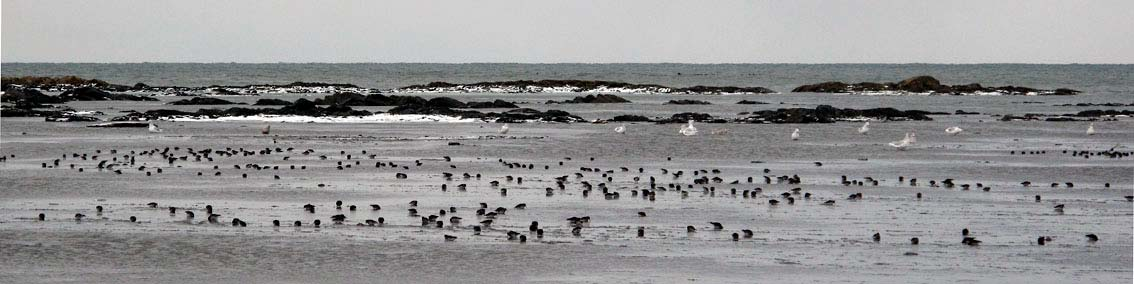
27	112
345	99
95	94
924	84
1100	113
687	116
69	118
303	107
630	118
493	104
593	99
512	116
829	114
748	102
355	99
687	102
47	82
963	112
920	84
202	101
271	102
445	102
35	97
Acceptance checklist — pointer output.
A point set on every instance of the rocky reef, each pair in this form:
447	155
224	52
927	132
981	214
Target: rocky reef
829	114
573	86
203	101
66	83
593	99
748	102
687	102
925	85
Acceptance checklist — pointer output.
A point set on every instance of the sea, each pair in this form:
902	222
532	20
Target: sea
1017	173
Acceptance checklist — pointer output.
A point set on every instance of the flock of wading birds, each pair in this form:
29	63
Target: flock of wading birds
175	157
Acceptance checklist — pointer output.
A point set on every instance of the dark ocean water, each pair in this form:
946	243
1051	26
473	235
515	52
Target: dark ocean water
1094	79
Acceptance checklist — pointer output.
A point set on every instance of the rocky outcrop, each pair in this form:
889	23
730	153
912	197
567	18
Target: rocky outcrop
301	107
356	99
49	82
493	104
593	99
748	102
829	114
925	85
573	86
95	94
271	102
1102	113
519	115
31	96
630	118
687	102
203	101
685	117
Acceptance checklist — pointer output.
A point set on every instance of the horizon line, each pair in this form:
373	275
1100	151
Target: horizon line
574	63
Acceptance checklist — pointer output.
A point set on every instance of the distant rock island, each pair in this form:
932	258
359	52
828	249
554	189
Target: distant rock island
574	86
67	83
925	85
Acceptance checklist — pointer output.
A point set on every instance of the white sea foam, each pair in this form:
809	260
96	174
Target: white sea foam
374	118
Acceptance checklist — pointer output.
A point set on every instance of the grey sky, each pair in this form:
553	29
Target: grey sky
832	31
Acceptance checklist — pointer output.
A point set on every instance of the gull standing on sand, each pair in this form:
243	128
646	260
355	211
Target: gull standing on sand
154	128
620	129
795	134
864	129
954	130
689	130
504	129
1091	129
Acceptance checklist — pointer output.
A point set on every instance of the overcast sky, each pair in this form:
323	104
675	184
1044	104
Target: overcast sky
819	31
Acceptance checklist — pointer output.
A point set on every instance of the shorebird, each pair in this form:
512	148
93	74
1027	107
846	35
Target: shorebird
689	130
902	144
795	134
504	129
1091	129
864	129
954	130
